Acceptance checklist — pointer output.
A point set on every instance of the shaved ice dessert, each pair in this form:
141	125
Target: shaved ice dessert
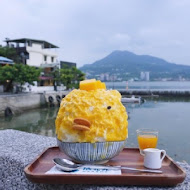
92	114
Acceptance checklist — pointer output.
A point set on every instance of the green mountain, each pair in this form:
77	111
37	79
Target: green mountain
125	65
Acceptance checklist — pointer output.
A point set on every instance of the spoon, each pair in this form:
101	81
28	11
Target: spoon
68	165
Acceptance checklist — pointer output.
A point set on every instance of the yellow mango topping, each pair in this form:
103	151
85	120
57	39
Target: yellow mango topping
98	84
92	84
103	85
101	108
88	85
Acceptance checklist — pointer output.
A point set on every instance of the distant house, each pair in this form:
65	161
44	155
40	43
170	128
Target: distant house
37	53
68	64
41	54
34	52
145	76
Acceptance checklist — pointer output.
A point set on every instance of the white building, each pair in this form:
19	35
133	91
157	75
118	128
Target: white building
104	77
37	53
145	76
34	52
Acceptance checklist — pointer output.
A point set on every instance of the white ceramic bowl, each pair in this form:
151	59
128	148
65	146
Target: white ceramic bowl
91	153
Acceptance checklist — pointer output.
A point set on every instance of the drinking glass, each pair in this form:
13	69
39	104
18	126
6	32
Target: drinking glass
147	138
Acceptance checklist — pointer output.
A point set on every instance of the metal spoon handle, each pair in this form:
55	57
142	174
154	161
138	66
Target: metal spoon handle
68	165
142	170
132	169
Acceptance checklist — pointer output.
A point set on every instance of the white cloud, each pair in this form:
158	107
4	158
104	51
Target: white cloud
121	38
87	30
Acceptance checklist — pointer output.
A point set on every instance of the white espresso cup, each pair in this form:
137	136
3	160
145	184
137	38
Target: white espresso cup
153	158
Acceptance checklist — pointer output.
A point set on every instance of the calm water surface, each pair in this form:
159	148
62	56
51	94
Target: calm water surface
170	116
151	85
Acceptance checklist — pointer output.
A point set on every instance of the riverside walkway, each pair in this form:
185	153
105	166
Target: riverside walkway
18	149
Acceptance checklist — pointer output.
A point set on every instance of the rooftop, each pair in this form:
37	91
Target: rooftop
24	40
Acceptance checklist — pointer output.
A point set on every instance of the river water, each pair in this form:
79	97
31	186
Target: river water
156	85
169	116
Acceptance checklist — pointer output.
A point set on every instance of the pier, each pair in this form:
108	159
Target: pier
160	92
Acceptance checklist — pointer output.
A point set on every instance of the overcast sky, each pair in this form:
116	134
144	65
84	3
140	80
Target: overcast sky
88	30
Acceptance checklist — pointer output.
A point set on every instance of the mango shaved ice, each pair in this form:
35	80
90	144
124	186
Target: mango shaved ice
92	114
92	84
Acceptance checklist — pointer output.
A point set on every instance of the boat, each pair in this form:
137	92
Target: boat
132	99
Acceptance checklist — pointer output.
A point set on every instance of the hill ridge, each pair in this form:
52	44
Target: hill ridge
125	65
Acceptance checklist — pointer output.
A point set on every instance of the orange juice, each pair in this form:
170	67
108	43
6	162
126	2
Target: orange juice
147	141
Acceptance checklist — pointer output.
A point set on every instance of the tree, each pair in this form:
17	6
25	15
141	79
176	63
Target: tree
71	77
19	74
56	78
10	53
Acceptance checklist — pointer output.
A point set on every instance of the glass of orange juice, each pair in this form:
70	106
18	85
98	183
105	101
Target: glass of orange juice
147	138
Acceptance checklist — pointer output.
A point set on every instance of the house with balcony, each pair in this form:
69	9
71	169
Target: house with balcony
37	53
40	54
34	52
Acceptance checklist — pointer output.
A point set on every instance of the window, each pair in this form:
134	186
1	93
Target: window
52	59
30	43
45	58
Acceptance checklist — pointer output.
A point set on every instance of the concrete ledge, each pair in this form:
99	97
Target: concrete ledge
18	149
20	102
27	101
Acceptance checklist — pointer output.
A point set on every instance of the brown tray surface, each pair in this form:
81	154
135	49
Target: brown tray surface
171	176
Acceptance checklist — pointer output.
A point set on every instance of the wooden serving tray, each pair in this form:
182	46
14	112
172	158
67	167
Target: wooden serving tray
171	176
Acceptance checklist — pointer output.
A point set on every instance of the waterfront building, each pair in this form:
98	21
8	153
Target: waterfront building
104	77
142	76
40	54
34	52
113	77
145	76
37	53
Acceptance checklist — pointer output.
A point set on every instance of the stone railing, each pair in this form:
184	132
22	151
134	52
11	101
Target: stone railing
18	149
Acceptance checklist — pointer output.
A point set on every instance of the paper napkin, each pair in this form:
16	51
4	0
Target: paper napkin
88	169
